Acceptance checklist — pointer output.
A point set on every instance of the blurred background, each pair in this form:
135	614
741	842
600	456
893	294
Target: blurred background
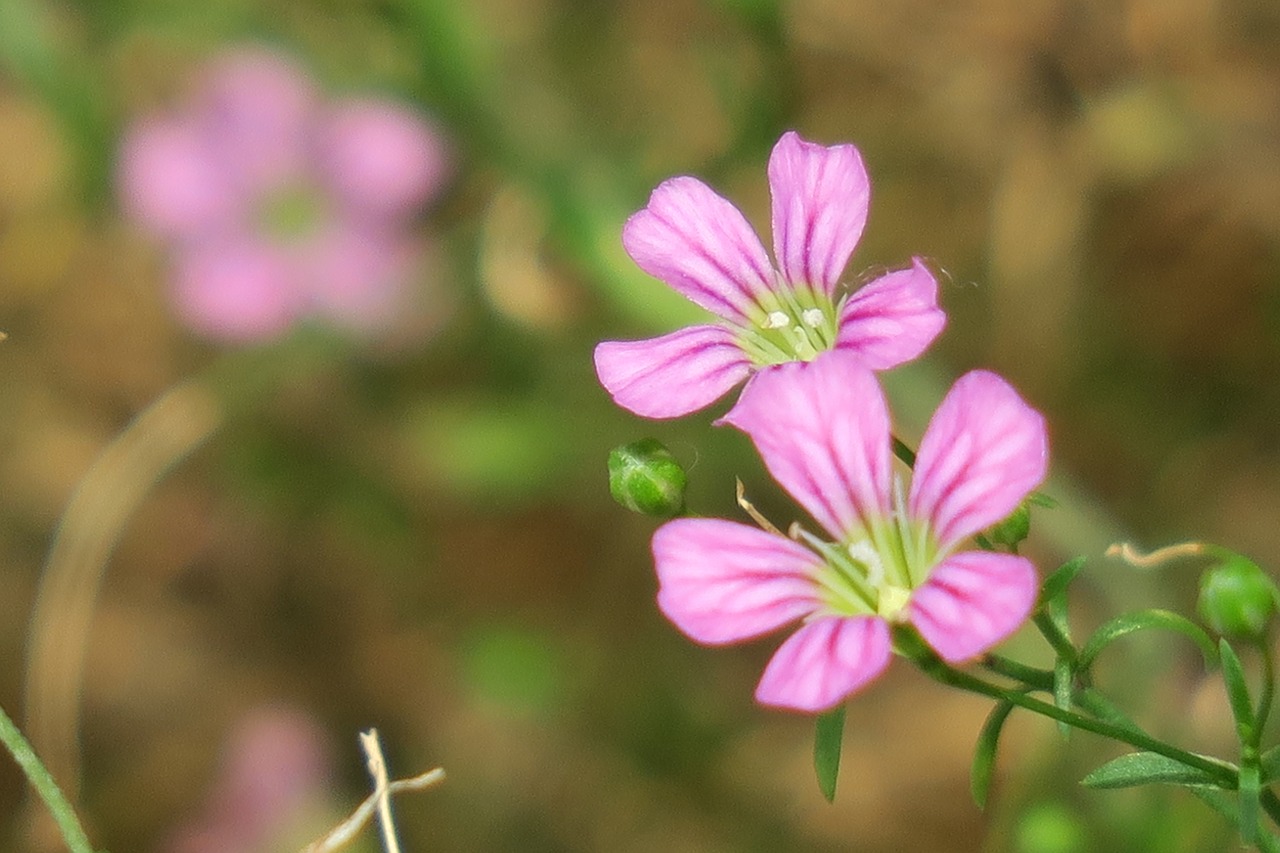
323	532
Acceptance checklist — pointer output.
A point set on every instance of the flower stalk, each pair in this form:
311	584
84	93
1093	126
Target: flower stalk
38	775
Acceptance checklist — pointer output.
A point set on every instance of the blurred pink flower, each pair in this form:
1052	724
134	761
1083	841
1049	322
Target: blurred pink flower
703	247
822	429
278	204
275	772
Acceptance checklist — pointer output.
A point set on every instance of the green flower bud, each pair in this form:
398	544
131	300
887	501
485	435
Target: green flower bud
1238	599
644	477
1013	529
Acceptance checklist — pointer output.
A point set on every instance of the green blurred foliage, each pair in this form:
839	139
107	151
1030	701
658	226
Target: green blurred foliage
419	535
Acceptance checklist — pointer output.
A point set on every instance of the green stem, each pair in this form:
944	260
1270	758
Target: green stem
38	776
1220	771
1103	709
1061	642
1268	685
1034	677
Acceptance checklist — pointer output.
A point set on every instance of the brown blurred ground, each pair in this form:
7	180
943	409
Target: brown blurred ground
1101	184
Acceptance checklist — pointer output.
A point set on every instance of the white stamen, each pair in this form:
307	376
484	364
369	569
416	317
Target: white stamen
776	320
812	317
899	498
864	552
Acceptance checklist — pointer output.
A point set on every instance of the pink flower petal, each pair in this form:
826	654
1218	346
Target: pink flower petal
972	601
824	662
672	375
236	291
380	157
722	582
984	451
820	199
356	278
893	319
822	428
170	182
701	245
258	108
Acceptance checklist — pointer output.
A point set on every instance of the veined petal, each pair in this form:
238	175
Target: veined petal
722	582
984	451
892	319
820	199
822	428
672	375
701	245
972	601
824	662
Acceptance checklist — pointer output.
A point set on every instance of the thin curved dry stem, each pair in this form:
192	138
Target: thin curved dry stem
122	475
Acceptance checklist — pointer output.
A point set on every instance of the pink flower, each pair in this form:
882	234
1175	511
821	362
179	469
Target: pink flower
822	429
703	247
278	204
275	771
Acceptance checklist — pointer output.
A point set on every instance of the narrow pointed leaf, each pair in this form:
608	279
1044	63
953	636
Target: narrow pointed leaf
1056	584
1144	768
827	740
1237	693
904	453
1140	620
1270	762
984	756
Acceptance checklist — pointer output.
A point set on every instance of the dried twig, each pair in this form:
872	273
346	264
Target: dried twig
343	833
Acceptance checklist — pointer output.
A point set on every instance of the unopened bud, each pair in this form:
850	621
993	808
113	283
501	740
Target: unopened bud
1013	529
644	477
1238	599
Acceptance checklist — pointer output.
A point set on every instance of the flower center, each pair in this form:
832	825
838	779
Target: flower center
874	574
291	213
792	324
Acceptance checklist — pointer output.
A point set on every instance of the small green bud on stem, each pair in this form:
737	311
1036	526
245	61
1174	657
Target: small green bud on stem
1013	529
1238	599
644	477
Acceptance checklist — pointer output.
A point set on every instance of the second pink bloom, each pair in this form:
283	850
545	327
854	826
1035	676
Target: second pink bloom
882	556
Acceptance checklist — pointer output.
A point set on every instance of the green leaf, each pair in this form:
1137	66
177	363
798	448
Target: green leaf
984	756
827	739
1063	684
1225	805
1056	584
1041	499
1249	793
904	453
1144	768
1015	528
1237	693
1127	623
1270	762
